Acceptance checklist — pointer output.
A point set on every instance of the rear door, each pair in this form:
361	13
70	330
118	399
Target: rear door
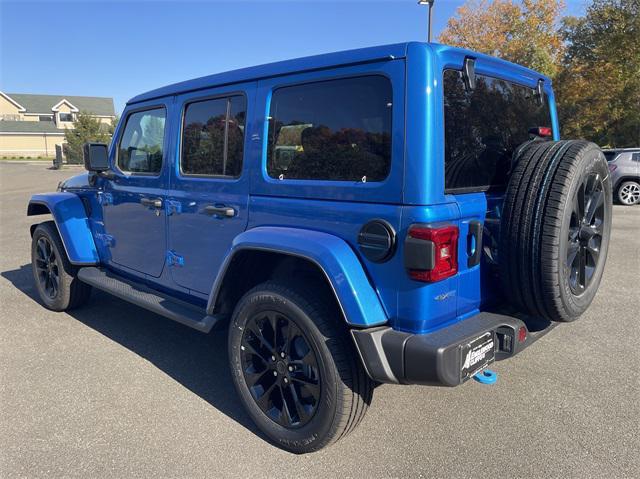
207	205
483	127
472	208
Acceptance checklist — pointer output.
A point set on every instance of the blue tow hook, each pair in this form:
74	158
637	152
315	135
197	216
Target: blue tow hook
486	377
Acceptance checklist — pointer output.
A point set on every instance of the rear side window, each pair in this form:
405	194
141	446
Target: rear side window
140	148
337	130
610	155
213	137
484	127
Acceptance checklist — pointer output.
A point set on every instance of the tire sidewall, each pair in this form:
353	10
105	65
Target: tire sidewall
323	421
593	161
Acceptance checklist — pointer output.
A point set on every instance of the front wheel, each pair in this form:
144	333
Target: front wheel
53	274
295	369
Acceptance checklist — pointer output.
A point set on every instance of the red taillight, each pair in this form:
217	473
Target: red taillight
542	131
443	248
612	168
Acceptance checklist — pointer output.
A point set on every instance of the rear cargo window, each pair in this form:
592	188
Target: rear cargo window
483	128
336	130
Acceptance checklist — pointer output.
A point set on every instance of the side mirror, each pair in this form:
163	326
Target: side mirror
96	157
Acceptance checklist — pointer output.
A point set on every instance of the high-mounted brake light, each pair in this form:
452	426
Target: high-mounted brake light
542	131
431	253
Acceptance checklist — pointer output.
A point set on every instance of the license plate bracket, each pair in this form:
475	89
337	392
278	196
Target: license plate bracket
477	354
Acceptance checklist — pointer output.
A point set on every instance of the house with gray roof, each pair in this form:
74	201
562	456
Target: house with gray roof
31	125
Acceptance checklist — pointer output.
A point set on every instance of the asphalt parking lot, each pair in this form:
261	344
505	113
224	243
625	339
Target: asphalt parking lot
111	390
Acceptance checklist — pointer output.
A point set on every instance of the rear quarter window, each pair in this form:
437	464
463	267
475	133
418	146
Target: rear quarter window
337	130
484	127
213	137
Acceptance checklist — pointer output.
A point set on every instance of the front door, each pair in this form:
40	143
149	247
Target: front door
208	200
133	200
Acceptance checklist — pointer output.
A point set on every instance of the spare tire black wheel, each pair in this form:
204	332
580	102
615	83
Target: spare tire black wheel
555	228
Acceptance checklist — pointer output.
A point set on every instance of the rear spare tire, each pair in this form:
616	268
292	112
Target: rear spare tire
555	228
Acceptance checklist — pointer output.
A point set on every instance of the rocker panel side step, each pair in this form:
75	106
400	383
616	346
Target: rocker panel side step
148	298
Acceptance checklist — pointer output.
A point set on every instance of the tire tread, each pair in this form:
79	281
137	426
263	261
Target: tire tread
535	201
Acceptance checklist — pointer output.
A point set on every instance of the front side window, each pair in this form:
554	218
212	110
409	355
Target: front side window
635	157
337	130
484	127
213	137
141	146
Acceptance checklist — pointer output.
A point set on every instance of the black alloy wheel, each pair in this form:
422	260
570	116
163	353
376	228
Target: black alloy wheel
585	233
294	365
54	276
280	369
555	229
47	267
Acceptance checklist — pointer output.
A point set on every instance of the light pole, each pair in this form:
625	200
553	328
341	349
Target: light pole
430	3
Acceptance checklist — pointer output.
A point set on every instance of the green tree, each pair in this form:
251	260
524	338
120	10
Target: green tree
522	32
85	129
598	88
112	126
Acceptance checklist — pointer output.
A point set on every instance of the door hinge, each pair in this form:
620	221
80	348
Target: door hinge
106	239
105	198
173	207
174	259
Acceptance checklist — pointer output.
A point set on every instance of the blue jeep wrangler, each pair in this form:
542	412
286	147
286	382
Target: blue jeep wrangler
400	214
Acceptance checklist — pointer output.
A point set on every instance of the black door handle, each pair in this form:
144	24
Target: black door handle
474	236
154	202
223	211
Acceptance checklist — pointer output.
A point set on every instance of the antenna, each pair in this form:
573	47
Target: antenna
430	3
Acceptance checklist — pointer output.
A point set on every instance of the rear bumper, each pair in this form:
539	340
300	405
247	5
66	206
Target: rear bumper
391	356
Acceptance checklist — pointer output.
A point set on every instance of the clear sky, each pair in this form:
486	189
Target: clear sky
122	48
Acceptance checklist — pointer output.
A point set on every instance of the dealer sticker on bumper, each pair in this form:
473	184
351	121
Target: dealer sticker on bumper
477	354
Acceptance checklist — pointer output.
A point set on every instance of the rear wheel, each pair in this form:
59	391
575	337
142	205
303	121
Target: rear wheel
295	368
629	193
53	274
555	228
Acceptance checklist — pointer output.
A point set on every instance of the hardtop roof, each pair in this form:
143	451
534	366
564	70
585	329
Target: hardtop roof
310	63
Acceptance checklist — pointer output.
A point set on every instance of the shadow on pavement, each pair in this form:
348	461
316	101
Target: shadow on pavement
197	361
